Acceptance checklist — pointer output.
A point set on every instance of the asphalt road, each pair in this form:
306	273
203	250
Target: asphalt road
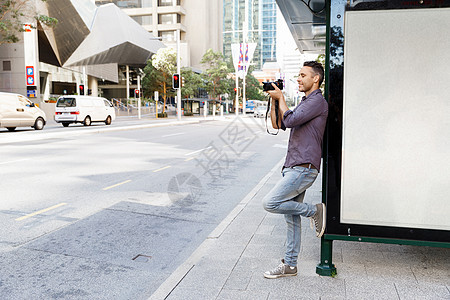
111	215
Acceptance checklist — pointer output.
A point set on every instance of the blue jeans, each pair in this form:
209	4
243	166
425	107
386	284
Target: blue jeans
287	198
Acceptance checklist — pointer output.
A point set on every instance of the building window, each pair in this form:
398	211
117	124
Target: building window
169	19
146	3
167	36
126	3
147	20
143	20
6	65
168	2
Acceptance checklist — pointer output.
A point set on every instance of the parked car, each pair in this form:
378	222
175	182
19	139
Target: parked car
18	111
260	112
83	109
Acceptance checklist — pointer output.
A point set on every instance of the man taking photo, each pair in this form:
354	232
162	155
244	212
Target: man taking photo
307	122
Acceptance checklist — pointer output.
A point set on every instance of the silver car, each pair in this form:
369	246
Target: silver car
18	111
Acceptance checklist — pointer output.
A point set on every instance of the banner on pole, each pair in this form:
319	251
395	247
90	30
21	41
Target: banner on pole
242	56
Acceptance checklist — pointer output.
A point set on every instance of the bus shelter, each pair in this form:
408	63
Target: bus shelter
386	162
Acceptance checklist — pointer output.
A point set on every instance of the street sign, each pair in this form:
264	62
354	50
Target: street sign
31	94
30	75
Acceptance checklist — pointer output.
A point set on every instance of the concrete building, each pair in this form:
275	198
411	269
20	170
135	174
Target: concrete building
199	22
88	45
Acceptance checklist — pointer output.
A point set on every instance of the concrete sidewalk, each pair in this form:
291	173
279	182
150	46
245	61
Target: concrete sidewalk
231	262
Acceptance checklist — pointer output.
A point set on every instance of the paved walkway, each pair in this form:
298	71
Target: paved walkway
231	262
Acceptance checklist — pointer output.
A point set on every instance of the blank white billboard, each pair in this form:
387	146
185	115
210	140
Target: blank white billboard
396	119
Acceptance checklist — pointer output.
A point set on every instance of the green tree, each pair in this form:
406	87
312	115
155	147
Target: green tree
12	14
216	74
165	61
253	89
192	81
321	59
151	81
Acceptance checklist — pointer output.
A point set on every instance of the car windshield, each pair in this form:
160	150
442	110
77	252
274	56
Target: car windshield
66	102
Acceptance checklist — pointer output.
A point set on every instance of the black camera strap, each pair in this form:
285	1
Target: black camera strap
276	115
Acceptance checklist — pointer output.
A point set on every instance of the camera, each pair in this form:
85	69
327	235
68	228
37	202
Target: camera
267	86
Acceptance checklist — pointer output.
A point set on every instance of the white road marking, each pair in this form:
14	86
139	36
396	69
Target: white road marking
173	134
187	154
13	161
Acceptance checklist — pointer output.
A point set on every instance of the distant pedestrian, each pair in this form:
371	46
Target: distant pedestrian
307	123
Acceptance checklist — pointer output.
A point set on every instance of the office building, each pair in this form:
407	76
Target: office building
86	48
199	23
261	28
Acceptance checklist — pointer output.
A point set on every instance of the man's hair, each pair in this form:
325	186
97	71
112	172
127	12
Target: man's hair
317	68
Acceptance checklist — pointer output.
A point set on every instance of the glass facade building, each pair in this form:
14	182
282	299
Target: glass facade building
261	29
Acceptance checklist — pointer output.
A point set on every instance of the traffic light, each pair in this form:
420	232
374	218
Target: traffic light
136	93
176	81
81	89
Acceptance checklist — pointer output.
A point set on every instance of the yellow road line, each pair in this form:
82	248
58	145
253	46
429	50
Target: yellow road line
166	167
113	186
40	212
190	158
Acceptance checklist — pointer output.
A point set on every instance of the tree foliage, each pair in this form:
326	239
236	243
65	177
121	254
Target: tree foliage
152	80
12	15
253	89
217	79
215	76
165	62
192	81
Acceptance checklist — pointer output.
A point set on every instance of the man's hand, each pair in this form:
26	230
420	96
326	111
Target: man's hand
275	94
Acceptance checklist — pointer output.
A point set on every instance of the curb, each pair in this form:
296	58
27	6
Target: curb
46	135
177	276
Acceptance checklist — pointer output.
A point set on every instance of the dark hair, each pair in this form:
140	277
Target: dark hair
317	68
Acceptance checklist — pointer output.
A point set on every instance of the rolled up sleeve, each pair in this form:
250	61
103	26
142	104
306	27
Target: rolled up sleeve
305	112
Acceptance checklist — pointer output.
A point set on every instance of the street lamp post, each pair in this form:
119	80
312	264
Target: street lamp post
179	74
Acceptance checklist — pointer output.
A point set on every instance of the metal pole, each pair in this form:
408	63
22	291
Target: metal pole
245	31
156	103
236	107
179	74
128	83
84	80
139	98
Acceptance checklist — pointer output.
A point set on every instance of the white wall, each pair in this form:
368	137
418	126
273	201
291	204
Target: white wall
396	128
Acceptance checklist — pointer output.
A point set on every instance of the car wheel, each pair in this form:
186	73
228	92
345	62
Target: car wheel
11	128
87	121
108	120
65	124
39	124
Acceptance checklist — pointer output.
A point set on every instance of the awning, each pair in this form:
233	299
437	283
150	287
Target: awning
114	38
307	22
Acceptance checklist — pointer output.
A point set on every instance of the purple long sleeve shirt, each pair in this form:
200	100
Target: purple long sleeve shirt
307	122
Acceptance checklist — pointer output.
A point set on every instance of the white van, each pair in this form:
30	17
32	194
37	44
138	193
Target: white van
83	109
18	111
